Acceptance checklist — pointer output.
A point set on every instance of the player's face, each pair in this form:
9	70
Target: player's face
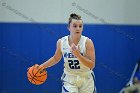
76	27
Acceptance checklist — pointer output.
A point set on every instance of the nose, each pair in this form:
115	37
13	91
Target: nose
78	28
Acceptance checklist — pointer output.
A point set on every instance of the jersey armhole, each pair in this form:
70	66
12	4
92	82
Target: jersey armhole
85	49
61	44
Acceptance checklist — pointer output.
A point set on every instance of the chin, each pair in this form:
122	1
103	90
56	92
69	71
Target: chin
78	34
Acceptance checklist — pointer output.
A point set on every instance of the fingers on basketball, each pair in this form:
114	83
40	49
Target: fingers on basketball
37	74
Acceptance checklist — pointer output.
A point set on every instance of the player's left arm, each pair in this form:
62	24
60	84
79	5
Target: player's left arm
89	58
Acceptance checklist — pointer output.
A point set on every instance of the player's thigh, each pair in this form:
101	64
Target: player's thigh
88	86
68	88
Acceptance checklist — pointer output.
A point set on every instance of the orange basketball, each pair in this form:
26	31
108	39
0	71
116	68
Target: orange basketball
37	74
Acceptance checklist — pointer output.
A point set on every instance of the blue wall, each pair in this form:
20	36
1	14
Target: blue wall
24	44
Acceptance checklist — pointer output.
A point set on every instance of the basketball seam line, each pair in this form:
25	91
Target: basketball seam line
35	74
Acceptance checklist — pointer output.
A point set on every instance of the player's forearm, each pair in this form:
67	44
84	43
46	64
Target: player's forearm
52	61
87	62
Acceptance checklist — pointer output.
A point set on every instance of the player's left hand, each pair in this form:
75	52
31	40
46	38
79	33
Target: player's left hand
75	50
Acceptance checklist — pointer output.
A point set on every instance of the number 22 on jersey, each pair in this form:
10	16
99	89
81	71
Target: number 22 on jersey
74	64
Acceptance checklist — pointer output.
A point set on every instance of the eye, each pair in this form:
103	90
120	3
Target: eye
75	26
80	26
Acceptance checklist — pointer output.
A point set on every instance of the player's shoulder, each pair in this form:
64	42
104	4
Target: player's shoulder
64	38
89	41
86	38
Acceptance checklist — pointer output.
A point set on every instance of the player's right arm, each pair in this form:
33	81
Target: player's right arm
56	58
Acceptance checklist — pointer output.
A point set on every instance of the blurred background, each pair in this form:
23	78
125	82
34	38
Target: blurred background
29	30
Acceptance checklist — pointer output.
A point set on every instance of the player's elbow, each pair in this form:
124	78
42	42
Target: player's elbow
92	65
57	58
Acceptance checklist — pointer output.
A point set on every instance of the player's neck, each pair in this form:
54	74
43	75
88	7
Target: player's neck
74	40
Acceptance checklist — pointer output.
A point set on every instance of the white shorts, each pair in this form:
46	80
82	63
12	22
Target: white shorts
78	83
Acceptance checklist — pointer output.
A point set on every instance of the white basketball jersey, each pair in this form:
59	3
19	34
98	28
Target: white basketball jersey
71	63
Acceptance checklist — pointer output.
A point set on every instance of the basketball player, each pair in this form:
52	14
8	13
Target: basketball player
79	59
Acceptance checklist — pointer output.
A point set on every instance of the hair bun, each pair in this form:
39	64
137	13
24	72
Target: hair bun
75	16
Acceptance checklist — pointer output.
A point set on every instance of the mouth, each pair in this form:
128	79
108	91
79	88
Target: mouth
77	32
